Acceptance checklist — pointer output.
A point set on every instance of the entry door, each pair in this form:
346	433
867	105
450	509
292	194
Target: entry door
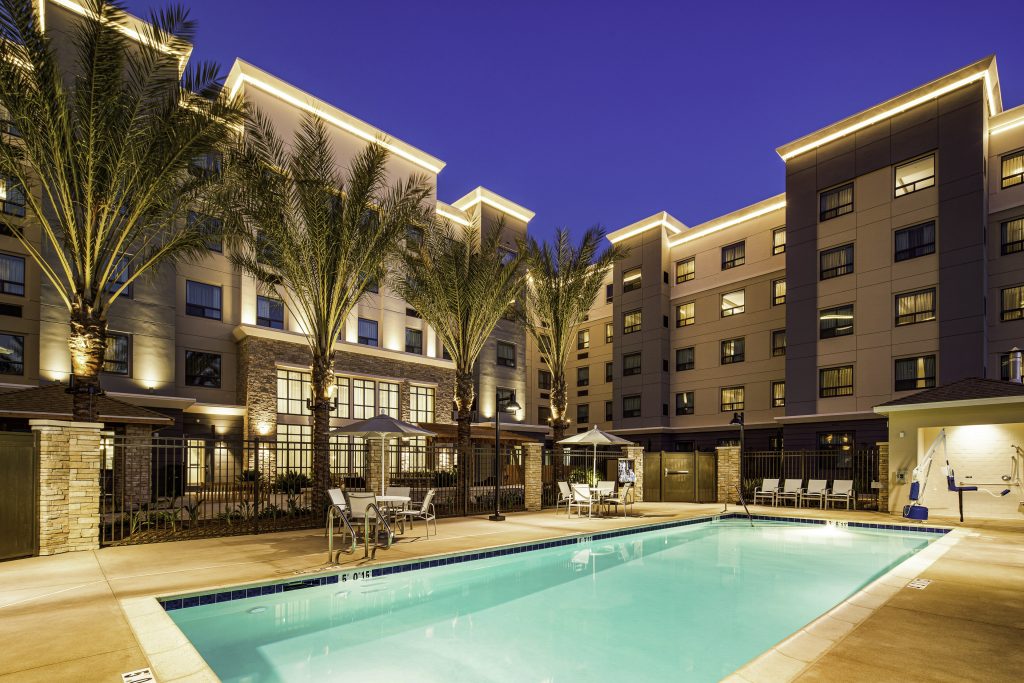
18	486
678	478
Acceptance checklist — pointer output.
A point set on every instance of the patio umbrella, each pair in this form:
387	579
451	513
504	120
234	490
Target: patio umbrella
595	437
383	427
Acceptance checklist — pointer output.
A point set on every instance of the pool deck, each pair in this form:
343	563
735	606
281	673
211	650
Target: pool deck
63	618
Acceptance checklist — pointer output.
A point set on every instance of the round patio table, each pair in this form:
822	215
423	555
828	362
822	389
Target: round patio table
395	503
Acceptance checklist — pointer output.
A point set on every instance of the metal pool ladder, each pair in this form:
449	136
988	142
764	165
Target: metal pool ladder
334	513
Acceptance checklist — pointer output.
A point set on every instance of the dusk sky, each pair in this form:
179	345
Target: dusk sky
599	112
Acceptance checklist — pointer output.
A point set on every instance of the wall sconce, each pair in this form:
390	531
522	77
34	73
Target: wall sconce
262	428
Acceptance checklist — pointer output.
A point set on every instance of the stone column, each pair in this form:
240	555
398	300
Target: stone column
636	454
69	485
728	458
375	470
133	471
884	479
533	462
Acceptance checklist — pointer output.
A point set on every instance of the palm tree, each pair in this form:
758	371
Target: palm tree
462	285
103	158
316	240
563	283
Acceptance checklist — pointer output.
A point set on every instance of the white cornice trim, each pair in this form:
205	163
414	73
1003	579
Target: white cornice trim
964	403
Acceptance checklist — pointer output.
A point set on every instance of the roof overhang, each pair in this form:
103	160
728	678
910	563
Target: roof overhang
818	417
481	195
661	220
965	403
762	208
451	213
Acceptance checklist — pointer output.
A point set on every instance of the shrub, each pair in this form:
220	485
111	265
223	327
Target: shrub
292	482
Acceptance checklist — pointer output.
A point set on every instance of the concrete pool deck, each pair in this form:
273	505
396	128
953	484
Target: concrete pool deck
61	617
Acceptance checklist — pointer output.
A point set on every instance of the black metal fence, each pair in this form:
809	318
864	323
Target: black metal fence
859	466
575	466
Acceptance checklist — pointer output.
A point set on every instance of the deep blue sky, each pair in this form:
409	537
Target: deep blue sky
607	112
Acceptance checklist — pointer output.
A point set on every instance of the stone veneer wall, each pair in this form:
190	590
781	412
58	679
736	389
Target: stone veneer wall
69	485
883	476
133	471
533	475
728	473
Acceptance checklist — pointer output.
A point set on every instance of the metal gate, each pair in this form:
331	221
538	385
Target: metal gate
19	484
680	477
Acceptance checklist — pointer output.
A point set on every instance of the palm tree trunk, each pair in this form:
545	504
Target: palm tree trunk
464	393
87	344
321	381
559	406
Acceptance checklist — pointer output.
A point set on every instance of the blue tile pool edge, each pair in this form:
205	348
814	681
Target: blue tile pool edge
326	578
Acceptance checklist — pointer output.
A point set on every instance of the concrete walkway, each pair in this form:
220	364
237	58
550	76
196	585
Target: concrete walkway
61	618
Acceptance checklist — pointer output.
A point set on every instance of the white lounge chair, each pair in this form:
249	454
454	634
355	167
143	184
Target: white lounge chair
397	490
337	504
815	491
624	497
842	491
564	495
425	512
790	491
581	498
769	488
605	488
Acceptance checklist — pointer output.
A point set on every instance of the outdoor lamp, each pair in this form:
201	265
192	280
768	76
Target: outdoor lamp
509	407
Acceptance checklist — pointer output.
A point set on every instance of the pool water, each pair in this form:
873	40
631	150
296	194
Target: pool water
688	603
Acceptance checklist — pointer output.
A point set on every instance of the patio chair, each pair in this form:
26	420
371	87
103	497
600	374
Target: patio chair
790	491
624	497
564	495
769	487
426	512
605	488
842	491
816	490
337	504
397	490
359	510
581	498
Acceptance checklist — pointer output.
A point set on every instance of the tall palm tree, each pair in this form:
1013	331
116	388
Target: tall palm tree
316	239
103	158
462	285
563	283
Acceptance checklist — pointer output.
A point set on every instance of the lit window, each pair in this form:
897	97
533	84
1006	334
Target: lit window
917	240
835	441
269	312
342	397
202	300
684	314
684	403
363	391
778	394
733	350
506	354
583	376
582	340
734	255
609	371
609	332
778	292
779	343
414	341
915	175
631	322
367	332
631	406
915	373
837	261
388	393
12	194
1012	236
835	381
731	399
117	355
684	270
631	280
1012	299
12	275
836	202
1012	169
778	240
12	354
915	307
684	359
733	303
293	388
835	322
202	369
631	364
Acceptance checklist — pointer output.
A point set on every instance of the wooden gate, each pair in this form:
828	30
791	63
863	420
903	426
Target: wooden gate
679	477
19	486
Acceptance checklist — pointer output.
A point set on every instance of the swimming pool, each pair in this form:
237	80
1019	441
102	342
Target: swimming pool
684	602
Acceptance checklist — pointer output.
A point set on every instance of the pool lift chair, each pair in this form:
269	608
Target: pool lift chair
959	488
916	510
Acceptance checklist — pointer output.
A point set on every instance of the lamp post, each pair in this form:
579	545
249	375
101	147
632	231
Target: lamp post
510	406
737	419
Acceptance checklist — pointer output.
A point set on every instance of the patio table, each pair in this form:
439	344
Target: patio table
393	504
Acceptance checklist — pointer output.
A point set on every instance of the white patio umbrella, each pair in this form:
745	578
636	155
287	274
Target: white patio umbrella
595	437
383	427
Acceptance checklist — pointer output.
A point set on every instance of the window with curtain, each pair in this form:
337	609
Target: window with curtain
684	403
269	312
915	373
834	382
631	406
733	303
421	403
506	354
684	359
583	340
583	376
414	341
202	300
779	240
733	350
778	292
583	414
915	241
609	293
631	322
778	343
293	388
543	379
835	322
1012	236
778	394
12	275
731	399
12	354
202	369
342	407
609	371
1012	299
685	270
734	255
609	332
117	356
363	391
367	332
1012	169
836	202
12	195
837	261
915	175
208	225
388	396
632	280
915	307
631	364
684	314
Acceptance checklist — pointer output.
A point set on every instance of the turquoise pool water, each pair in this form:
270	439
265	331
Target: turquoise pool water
689	603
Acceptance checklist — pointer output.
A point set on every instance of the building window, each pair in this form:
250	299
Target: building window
388	399
731	399
631	406
543	379
732	350
835	441
915	373
292	391
684	270
583	414
413	236
1004	366
836	202
915	175
631	364
1012	303
363	391
778	394
631	280
915	307
609	411
117	355
343	397
506	354
917	240
12	194
1012	170
779	240
778	343
367	332
582	340
1012	236
631	322
543	415
733	303
269	312
684	359
202	300
12	275
778	292
733	255
684	314
414	341
583	376
609	332
835	322
837	261
212	227
12	354
609	293
421	404
202	369
835	381
609	372
684	403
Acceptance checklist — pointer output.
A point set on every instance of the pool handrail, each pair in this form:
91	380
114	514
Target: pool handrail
739	492
336	512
